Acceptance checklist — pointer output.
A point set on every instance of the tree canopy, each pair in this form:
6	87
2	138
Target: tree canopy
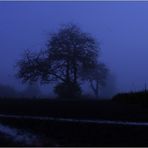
70	52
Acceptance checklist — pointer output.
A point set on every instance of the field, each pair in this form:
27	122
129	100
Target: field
63	133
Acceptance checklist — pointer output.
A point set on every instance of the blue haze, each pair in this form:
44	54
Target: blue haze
120	27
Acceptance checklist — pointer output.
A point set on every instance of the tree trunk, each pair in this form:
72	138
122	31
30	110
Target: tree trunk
67	72
75	73
95	88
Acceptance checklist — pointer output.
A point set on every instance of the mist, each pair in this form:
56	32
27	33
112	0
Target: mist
119	27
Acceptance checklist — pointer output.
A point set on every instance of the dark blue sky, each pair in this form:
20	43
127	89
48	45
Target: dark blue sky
120	27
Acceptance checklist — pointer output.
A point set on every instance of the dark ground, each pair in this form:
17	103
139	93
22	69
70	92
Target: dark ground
83	109
77	134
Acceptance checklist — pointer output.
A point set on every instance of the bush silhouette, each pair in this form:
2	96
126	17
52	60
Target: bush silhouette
68	90
132	98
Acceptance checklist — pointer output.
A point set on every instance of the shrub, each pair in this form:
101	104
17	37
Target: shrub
68	90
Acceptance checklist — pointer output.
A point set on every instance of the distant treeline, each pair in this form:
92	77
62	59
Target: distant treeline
29	91
132	97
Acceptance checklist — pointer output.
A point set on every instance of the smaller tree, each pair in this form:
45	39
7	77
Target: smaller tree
96	76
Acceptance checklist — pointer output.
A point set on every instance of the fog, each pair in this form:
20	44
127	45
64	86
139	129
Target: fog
121	28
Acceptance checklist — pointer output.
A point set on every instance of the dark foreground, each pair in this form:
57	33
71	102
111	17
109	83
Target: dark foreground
78	134
62	133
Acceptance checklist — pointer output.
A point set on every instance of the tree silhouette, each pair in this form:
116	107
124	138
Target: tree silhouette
69	52
96	77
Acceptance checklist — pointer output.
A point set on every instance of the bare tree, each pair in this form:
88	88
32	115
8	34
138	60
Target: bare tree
96	76
68	52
